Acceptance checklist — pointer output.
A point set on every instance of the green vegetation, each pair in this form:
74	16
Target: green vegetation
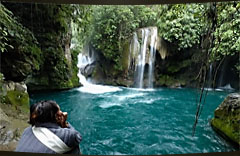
18	41
39	36
35	42
113	25
227	34
182	24
170	81
18	99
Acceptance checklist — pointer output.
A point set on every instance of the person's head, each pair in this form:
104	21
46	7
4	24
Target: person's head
43	111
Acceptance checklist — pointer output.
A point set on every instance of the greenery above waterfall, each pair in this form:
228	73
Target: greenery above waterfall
113	25
182	24
227	34
36	39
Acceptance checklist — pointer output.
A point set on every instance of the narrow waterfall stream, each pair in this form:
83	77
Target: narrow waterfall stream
141	58
152	58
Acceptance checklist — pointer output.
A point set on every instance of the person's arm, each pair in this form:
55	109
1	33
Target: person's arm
78	136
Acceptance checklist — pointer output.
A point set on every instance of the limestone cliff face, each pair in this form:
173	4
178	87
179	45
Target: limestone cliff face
43	59
226	119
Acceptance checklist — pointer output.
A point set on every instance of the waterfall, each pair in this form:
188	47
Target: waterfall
143	53
142	58
210	76
153	46
86	59
134	47
222	74
83	61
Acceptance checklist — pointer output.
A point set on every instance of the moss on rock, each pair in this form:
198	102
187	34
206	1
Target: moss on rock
15	95
170	81
18	99
226	119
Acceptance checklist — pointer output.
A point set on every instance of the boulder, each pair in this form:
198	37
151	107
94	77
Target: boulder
15	95
226	119
14	111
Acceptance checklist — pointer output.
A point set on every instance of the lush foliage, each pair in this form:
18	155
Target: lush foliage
12	29
113	25
41	31
81	26
17	43
227	34
182	24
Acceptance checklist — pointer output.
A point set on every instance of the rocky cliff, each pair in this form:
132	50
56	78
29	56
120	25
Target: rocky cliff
41	57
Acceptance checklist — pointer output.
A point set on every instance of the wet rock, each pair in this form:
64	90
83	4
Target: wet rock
88	70
226	119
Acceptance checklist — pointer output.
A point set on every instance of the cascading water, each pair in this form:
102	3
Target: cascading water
85	59
141	59
143	56
209	82
152	58
134	48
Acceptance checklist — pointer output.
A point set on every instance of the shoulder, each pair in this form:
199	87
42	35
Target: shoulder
73	134
68	135
27	130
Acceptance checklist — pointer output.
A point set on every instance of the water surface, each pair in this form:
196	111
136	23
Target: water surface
140	122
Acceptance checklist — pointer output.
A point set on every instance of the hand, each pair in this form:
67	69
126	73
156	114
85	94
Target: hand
61	118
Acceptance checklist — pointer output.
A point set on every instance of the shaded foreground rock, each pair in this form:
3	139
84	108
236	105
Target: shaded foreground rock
226	119
14	110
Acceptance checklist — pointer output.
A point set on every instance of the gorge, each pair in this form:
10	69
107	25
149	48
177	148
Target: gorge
129	76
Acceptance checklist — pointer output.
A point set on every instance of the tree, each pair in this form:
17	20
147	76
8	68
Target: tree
182	24
227	34
113	25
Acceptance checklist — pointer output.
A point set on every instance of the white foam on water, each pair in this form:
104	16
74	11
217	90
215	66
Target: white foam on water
118	153
98	89
143	89
218	89
226	87
147	101
108	104
208	89
150	101
128	96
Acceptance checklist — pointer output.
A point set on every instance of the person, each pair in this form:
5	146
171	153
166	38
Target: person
49	131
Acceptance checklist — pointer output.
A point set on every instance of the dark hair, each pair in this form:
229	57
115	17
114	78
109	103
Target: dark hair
43	111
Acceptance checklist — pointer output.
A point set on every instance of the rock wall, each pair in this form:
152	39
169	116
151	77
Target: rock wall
47	61
226	119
